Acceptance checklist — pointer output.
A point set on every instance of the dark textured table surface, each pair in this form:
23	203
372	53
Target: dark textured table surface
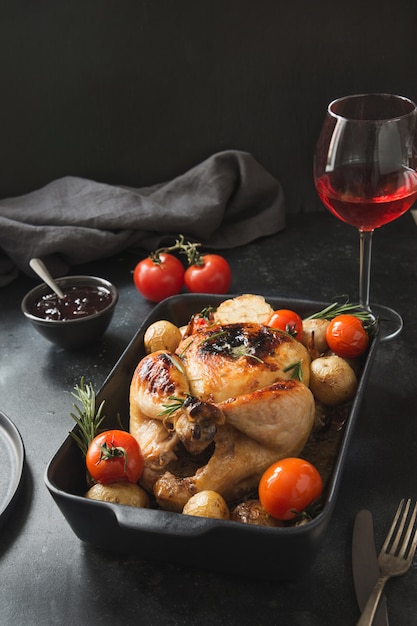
49	577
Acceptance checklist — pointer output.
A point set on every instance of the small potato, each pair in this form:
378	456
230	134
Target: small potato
252	512
162	335
332	380
314	336
207	504
120	493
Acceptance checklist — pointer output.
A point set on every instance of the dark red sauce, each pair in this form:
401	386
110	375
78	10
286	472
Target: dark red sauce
78	302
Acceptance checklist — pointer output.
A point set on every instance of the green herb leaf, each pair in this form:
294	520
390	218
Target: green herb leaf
346	308
86	416
170	409
213	336
297	373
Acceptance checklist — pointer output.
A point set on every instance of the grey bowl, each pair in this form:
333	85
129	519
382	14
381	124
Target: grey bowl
72	334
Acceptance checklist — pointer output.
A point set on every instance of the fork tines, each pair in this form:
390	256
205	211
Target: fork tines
405	541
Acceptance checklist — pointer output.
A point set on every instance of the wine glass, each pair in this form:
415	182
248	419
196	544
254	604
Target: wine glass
365	174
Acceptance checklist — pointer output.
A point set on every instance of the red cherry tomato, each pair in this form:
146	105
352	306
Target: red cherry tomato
288	487
287	320
346	336
159	279
114	455
199	323
201	320
213	276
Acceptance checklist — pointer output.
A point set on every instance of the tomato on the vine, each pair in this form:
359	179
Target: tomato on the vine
159	277
113	456
287	320
213	275
346	336
288	487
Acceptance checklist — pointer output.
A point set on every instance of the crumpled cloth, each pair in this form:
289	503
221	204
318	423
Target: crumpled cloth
226	201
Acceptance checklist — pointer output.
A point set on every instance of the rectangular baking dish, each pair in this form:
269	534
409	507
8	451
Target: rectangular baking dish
218	545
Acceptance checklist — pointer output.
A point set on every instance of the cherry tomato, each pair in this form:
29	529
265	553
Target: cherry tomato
159	279
113	456
346	336
199	323
289	486
213	276
202	320
287	320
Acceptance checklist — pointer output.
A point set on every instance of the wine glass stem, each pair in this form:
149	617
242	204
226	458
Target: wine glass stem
365	241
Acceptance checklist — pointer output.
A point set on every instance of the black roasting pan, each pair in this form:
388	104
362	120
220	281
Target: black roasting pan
225	546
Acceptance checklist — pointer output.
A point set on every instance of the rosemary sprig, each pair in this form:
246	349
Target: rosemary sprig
297	373
175	362
239	351
86	416
206	313
213	336
170	409
329	312
186	347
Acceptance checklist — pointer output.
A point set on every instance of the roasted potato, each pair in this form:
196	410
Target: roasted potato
120	493
332	380
314	336
207	504
162	335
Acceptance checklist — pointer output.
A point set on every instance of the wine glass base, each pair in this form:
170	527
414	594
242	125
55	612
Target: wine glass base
390	322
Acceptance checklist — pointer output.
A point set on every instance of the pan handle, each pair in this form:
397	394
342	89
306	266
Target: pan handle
163	522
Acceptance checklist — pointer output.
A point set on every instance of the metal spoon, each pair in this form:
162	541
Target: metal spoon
40	269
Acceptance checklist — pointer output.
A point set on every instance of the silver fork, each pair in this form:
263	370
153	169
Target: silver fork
394	559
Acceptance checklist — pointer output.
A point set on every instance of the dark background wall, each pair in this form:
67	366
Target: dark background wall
137	91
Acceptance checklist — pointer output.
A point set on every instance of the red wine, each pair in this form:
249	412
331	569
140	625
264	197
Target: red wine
359	197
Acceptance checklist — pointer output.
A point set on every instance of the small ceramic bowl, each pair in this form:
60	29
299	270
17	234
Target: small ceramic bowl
76	332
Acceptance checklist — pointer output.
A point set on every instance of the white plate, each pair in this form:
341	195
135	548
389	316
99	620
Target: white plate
13	456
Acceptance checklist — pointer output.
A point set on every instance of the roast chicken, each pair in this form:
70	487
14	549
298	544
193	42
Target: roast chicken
215	414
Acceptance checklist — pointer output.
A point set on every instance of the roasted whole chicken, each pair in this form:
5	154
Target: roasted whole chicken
220	410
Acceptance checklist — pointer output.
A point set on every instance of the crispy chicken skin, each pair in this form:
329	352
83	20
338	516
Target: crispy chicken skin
229	390
228	360
159	382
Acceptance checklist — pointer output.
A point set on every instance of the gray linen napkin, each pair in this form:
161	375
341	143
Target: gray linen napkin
226	201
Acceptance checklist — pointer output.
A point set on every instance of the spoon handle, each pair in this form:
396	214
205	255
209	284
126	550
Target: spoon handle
39	268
